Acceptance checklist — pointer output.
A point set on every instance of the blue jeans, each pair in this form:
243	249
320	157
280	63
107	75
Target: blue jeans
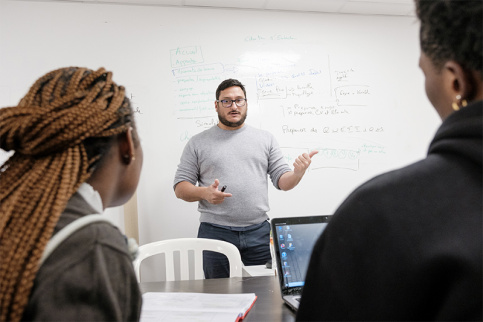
253	242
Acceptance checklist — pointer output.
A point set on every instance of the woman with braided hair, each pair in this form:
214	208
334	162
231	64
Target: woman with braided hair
76	152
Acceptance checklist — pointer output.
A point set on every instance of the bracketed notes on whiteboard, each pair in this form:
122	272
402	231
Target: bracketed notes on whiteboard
306	97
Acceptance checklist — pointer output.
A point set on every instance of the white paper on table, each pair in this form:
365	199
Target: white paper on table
174	306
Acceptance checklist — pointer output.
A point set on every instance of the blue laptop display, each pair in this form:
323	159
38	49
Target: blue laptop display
293	241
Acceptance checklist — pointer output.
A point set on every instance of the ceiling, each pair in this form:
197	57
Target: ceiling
363	7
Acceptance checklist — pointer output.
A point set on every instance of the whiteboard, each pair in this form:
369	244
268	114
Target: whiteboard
346	85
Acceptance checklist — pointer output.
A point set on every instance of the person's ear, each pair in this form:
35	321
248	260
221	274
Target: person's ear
126	147
459	80
216	106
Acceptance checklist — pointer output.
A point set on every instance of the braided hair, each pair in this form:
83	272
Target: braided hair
59	133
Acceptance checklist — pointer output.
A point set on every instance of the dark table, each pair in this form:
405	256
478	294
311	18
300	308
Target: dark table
268	307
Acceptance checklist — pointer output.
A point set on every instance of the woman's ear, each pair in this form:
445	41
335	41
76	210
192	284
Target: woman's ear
460	82
126	147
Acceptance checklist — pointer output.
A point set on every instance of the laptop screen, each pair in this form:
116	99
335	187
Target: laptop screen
294	239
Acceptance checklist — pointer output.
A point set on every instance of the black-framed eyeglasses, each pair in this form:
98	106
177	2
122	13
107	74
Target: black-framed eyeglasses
240	102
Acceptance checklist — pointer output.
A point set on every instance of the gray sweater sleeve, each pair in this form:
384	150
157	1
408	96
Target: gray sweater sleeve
277	165
188	168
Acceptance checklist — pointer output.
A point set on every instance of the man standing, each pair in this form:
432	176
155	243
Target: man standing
240	157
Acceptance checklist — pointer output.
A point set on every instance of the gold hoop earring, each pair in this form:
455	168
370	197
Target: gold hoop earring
459	103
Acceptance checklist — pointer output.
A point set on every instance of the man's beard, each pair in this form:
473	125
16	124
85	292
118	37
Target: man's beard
225	122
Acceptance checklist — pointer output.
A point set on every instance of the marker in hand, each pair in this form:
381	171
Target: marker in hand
215	195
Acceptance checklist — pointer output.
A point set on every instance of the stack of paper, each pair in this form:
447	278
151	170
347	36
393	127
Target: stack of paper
174	307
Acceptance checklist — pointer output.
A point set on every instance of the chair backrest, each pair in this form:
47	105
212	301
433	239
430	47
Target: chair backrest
183	246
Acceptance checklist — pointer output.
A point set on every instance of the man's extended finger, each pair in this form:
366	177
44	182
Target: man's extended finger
313	153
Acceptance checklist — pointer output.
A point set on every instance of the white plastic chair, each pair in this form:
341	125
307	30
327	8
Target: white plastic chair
183	246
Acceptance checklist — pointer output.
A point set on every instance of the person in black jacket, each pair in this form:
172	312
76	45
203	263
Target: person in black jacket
407	245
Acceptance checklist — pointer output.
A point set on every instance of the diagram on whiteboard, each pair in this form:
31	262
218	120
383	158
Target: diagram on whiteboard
308	98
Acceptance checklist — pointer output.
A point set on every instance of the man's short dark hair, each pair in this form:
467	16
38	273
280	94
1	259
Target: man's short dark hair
227	83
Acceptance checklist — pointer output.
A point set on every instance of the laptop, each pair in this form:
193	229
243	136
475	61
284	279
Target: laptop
293	241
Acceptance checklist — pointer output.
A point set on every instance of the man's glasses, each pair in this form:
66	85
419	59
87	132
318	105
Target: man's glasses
240	102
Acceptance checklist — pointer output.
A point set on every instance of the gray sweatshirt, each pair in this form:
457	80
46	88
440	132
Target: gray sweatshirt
240	159
89	276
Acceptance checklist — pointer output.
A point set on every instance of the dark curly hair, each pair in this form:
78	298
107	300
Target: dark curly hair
452	30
